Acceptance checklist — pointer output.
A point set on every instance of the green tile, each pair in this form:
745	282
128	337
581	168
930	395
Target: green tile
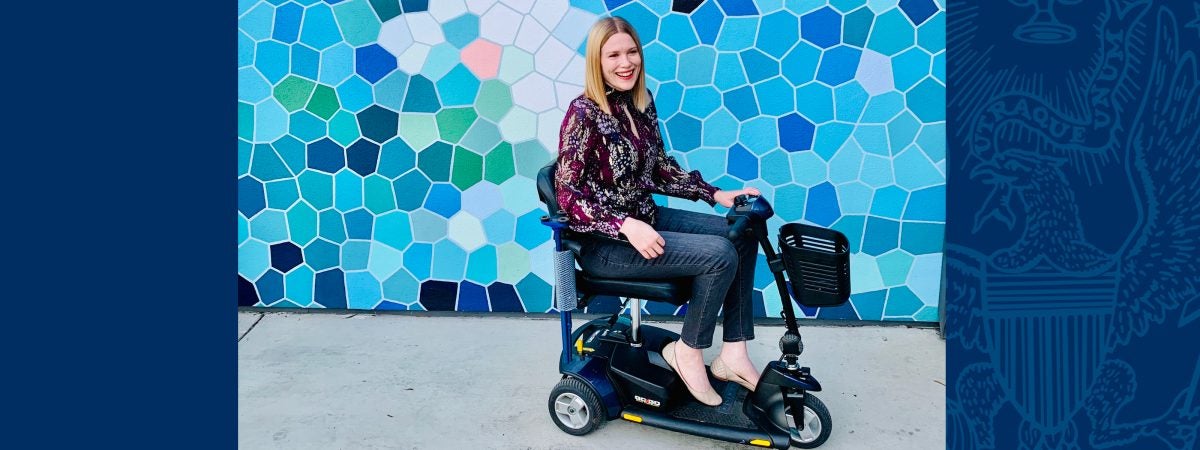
494	100
293	92
245	115
343	128
454	122
324	102
467	169
386	9
357	22
498	164
418	130
514	263
377	193
531	157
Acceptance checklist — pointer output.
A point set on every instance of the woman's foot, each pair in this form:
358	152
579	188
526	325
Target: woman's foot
733	364
691	361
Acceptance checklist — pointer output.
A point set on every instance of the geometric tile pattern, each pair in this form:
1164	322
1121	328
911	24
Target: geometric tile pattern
386	148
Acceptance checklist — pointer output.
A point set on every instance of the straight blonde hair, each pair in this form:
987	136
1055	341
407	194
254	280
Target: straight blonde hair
593	79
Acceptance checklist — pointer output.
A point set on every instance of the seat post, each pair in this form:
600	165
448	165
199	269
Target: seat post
635	316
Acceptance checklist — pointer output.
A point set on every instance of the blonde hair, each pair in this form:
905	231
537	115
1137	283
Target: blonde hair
593	79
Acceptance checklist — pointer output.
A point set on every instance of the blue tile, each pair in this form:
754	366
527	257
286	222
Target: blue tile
696	66
838	65
852	227
760	135
776	168
902	302
500	227
461	30
396	158
411	189
889	202
707	21
932	140
927	100
882	108
355	255
876	171
536	295
481	265
843	312
355	94
449	260
789	202
737	33
795	133
800	64
902	130
305	62
530	231
738	7
251	86
362	290
319	29
918	10
729	73
667	99
822	205
643	21
316	188
932	34
444	199
758	65
830	137
611	4
257	22
373	62
348	190
856	26
421	96
851	99
273	60
846	5
777	33
435	161
282	194
882	236
742	164
266	165
684	132
458	87
815	102
393	229
337	64
322	254
676	32
504	298
592	6
872	139
269	226
720	130
246	47
306	126
292	151
922	238
362	157
287	23
741	103
775	96
331	226
298	286
439	295
910	67
359	223
891	33
270	287
701	101
472	297
869	304
418	260
664	59
927	204
252	197
330	289
822	27
412	6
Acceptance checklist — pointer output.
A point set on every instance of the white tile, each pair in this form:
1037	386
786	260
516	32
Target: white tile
499	25
532	35
425	29
444	10
413	59
535	92
395	37
549	12
552	58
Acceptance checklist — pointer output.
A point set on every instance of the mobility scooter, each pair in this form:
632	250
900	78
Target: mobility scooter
613	367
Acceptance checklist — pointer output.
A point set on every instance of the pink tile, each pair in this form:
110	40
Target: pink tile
482	57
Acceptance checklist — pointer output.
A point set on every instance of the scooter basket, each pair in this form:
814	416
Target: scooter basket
817	261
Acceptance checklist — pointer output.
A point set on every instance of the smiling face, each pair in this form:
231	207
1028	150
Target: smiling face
620	61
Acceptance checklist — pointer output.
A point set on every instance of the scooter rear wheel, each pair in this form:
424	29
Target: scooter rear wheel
575	407
817	424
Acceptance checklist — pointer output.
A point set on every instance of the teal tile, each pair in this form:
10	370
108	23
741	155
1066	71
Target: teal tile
881	236
729	73
411	189
337	64
922	238
701	101
876	171
292	151
760	135
531	157
319	29
246	47
872	139
427	226
775	97
266	165
355	255
258	22
302	223
316	188
385	260
358	22
910	67
418	260
901	303
348	190
402	287
282	194
869	304
891	34
243	229
481	265
536	295
775	168
893	266
939	67
394	229
458	87
815	102
927	100
449	261
331	226
830	137
889	202
254	258
808	169
245	151
856	26
758	65
852	227
696	66
737	33
481	137
789	202
926	314
362	291
882	108
252	87
270	121
322	254
356	94
307	126
777	33
845	165
851	98
441	59
932	34
434	161
720	130
377	194
915	171
854	198
269	226
343	128
461	30
298	285
499	227
846	5
932	140
902	130
396	158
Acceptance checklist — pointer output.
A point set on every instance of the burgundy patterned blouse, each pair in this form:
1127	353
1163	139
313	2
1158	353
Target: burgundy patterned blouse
605	173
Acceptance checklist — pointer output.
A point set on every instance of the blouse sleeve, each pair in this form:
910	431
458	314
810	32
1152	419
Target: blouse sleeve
576	162
669	178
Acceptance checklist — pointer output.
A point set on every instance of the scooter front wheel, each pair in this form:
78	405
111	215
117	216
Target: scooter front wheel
575	407
817	424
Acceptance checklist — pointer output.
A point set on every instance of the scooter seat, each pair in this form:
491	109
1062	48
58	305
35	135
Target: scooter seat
675	291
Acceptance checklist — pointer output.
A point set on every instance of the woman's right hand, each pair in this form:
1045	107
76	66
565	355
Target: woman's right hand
644	238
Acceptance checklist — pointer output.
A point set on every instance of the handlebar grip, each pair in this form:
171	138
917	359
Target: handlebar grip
738	227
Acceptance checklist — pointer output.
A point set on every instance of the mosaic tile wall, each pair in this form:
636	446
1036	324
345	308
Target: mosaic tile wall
387	148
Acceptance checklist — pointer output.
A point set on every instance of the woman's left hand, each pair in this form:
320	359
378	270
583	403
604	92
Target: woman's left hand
725	198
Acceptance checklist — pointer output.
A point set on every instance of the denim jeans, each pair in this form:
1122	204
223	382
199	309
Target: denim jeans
697	247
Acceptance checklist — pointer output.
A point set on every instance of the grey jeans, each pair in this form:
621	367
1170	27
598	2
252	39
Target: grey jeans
722	271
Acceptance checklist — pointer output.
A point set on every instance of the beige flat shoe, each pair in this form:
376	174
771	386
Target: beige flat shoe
708	397
722	372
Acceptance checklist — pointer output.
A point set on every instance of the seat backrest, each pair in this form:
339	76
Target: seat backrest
545	186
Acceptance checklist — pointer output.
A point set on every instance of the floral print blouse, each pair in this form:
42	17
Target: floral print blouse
606	172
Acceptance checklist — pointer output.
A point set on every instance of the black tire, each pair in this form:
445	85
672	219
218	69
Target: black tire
819	415
575	407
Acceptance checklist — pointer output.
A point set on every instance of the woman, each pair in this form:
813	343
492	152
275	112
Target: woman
611	159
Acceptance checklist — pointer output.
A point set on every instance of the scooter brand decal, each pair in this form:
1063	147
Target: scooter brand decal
654	403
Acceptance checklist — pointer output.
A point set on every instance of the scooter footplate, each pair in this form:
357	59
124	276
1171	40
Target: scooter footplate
728	413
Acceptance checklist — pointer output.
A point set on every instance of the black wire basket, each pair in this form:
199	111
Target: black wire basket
817	261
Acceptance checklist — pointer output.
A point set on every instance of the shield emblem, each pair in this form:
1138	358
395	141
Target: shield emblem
1049	330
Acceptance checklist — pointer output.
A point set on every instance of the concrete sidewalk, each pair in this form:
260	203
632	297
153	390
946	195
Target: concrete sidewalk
357	381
